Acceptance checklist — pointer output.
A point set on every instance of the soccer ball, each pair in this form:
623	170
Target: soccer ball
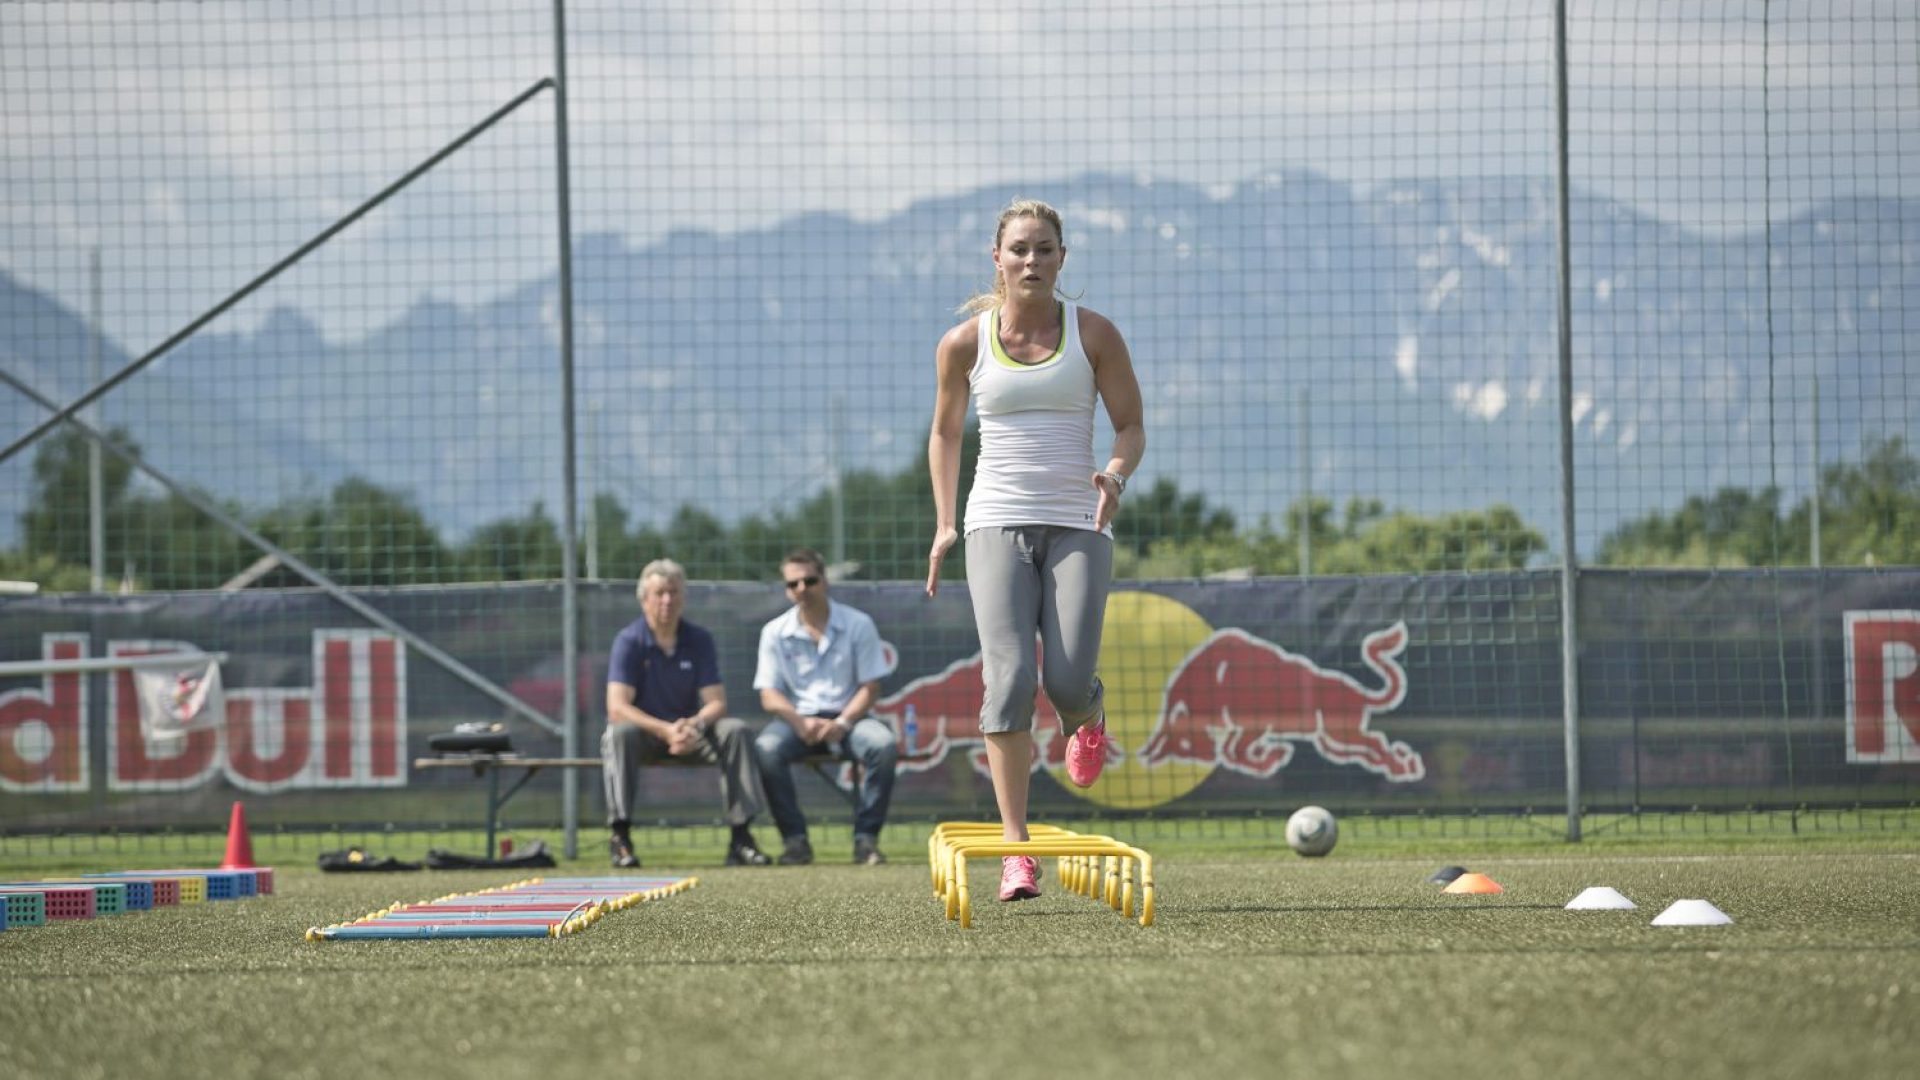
1312	830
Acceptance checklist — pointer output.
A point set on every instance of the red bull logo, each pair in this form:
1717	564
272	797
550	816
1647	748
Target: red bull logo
1182	700
1243	703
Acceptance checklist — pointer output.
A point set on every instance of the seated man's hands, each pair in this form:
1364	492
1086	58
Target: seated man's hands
684	738
817	730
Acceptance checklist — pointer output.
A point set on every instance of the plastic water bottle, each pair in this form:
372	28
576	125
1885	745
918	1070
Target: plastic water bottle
912	731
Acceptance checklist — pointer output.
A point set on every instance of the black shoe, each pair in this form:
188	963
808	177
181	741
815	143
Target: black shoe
799	853
866	852
744	853
623	856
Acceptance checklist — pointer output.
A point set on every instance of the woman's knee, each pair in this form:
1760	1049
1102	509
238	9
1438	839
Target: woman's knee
1008	703
1011	682
1076	702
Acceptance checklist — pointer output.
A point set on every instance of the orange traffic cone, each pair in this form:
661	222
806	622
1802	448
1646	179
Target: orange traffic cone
239	846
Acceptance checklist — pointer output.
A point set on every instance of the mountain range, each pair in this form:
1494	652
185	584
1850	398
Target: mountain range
1402	335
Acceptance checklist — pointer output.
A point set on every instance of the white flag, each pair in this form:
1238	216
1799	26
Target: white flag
176	700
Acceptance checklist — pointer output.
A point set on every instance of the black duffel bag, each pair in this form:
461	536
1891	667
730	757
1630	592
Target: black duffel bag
472	739
355	861
531	857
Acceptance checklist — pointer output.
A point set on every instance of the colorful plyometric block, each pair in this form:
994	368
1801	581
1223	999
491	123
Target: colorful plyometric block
62	902
24	908
110	897
170	887
226	884
213	884
143	894
70	903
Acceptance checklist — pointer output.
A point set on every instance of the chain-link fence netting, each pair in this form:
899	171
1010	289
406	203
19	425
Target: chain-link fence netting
303	265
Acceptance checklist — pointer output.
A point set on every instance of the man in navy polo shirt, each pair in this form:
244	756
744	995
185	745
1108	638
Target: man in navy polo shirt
664	697
820	668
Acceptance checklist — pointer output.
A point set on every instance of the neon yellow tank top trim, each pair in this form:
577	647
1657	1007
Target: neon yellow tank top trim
1000	354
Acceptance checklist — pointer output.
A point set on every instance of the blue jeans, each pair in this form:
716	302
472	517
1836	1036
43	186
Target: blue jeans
871	745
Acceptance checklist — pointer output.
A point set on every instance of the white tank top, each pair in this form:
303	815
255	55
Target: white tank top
1036	433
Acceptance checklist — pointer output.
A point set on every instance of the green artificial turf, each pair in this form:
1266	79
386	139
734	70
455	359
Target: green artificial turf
1259	964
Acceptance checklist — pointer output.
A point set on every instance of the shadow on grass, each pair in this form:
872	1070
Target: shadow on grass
1321	909
511	963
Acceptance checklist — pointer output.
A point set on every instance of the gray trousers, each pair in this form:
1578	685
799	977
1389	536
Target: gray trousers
1046	580
625	749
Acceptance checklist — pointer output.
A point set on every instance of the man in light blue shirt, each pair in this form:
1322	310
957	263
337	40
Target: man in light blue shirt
819	673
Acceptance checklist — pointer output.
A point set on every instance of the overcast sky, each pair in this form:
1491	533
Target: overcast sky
196	144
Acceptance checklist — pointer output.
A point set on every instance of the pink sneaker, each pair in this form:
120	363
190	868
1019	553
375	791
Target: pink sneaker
1087	752
1019	877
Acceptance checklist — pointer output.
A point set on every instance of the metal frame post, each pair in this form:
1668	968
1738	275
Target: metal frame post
569	585
1563	296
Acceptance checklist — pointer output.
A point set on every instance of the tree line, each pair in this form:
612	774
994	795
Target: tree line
363	535
1869	516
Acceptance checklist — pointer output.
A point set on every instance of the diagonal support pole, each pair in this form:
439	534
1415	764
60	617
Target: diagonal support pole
61	414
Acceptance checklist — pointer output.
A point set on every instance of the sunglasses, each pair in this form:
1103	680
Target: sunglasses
809	581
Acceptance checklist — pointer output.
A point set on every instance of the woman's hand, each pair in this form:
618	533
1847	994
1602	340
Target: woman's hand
1109	490
943	541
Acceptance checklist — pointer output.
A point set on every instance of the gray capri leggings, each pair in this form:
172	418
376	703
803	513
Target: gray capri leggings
1044	579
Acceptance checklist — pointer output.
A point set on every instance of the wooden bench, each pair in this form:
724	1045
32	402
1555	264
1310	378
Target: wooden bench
492	765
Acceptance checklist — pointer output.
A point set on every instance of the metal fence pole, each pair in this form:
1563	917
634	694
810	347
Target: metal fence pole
569	584
1569	565
96	484
1813	527
1306	483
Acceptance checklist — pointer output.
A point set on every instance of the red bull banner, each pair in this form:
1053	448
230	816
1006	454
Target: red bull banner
1384	694
348	729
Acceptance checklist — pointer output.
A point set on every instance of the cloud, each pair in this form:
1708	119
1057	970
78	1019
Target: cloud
1406	360
732	116
1486	401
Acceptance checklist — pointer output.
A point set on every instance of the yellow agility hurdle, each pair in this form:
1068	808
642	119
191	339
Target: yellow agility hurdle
1078	856
939	850
1098	867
